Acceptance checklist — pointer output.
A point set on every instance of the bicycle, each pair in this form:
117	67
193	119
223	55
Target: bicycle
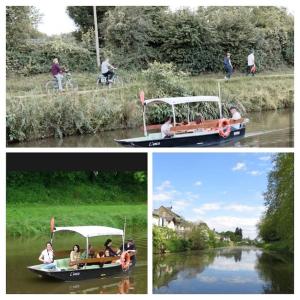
102	80
68	84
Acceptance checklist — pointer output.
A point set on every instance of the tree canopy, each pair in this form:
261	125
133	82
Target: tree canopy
277	224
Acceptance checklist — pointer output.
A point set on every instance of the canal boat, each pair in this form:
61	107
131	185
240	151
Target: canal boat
89	268
192	133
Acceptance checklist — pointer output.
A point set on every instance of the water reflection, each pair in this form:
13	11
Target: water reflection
227	270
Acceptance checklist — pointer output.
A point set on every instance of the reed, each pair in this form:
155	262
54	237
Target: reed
31	114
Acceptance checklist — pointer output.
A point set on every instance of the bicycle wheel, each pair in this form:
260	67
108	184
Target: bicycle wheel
71	86
118	80
50	87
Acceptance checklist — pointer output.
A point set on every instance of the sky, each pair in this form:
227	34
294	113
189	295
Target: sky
225	190
55	20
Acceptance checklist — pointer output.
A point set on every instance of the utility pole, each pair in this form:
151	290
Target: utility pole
96	36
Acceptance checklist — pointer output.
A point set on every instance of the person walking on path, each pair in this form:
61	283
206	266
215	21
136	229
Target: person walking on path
228	66
251	64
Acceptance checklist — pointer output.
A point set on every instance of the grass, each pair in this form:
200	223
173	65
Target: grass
33	115
30	220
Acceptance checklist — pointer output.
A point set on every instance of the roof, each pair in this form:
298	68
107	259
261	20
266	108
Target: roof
182	100
91	231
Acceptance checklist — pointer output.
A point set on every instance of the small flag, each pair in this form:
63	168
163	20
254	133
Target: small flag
142	97
52	225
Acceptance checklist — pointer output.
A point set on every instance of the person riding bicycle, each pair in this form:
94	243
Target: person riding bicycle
107	70
57	73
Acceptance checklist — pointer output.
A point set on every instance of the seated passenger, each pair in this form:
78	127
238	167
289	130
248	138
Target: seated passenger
108	247
91	253
235	115
100	255
75	257
129	247
166	128
47	257
107	254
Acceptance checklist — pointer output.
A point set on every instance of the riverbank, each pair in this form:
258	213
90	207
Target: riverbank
31	114
30	220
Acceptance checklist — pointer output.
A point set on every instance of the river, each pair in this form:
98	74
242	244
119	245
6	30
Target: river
265	129
239	270
21	253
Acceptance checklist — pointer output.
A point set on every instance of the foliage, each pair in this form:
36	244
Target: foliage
21	22
83	17
132	35
36	57
81	187
197	41
198	237
277	224
24	220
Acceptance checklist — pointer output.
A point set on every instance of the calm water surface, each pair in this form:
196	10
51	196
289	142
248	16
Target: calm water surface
222	271
22	253
266	129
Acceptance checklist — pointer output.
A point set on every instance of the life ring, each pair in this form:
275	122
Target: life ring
125	260
224	123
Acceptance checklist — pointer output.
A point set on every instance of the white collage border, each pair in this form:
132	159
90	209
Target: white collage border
291	4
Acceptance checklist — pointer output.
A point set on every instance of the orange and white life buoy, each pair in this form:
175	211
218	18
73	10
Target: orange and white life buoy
125	260
224	128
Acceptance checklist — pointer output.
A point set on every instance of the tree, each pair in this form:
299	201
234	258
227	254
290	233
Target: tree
83	17
277	224
21	23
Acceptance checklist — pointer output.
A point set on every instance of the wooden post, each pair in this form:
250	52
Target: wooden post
96	36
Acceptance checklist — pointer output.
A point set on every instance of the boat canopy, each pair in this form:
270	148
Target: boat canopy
181	100
91	231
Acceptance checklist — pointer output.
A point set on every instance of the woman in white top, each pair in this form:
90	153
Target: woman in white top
235	115
47	257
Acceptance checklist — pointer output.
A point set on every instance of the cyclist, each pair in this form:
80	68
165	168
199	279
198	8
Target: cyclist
57	73
107	70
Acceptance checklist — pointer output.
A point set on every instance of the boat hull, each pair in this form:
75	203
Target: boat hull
200	140
80	274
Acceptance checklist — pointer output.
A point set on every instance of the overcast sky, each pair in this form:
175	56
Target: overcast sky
222	189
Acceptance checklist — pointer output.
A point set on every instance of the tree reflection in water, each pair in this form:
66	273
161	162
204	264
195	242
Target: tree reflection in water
277	271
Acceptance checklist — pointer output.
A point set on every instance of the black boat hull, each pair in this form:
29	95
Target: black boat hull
208	140
80	274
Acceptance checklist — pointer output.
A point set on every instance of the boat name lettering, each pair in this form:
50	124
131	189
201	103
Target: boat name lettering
151	144
74	274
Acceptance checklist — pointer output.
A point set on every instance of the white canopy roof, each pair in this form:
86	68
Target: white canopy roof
181	100
91	231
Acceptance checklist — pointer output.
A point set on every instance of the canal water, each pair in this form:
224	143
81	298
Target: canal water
265	129
21	253
239	270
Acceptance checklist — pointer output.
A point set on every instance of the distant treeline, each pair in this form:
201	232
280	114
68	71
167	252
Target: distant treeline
80	187
276	227
133	37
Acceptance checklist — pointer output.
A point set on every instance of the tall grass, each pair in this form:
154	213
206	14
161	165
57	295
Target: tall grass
38	116
29	220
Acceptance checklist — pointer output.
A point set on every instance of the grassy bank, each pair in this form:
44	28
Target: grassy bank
29	220
280	246
33	115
